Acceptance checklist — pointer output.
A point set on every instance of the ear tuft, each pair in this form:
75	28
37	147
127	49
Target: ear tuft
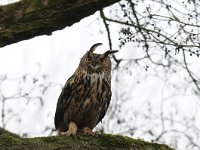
92	49
107	53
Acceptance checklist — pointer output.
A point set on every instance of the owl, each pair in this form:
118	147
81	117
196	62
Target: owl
86	95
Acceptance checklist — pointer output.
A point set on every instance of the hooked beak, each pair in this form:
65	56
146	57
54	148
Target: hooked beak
94	65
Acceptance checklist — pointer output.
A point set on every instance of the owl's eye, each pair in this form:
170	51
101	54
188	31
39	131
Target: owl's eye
102	60
88	58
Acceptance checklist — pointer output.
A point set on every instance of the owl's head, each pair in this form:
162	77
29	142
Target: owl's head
96	63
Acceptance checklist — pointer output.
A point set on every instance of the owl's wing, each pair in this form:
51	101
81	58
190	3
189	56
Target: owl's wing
63	101
106	108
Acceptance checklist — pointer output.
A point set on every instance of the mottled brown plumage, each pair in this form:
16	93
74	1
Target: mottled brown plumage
86	95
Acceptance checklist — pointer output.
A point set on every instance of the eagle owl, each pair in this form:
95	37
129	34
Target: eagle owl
86	95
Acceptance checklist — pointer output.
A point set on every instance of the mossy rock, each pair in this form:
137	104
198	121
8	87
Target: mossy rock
104	141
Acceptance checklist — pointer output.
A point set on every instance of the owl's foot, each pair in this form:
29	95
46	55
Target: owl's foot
88	131
71	131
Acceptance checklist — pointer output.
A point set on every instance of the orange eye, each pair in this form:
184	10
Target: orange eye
88	59
102	60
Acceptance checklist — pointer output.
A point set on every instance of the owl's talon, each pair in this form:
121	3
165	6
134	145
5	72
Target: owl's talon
88	131
97	132
71	131
68	133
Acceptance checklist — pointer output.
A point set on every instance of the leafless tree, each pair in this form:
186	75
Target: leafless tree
28	88
167	34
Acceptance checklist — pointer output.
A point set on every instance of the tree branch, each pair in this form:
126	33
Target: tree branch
109	37
107	28
26	19
189	72
104	141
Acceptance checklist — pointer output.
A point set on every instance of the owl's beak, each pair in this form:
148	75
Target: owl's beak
94	64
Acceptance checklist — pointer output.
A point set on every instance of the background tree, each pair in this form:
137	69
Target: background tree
166	34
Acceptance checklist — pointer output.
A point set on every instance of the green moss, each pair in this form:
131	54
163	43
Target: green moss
80	141
113	141
4	132
8	138
33	5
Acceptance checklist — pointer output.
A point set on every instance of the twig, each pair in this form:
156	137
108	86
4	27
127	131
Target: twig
189	72
109	37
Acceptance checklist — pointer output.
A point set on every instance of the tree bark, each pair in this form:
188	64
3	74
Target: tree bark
104	141
29	18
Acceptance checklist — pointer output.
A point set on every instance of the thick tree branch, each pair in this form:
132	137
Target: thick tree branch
103	142
27	19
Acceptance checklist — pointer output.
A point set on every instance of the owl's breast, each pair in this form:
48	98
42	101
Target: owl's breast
95	99
98	85
89	100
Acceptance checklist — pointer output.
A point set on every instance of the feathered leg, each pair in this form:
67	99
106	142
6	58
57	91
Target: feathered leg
88	131
71	130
